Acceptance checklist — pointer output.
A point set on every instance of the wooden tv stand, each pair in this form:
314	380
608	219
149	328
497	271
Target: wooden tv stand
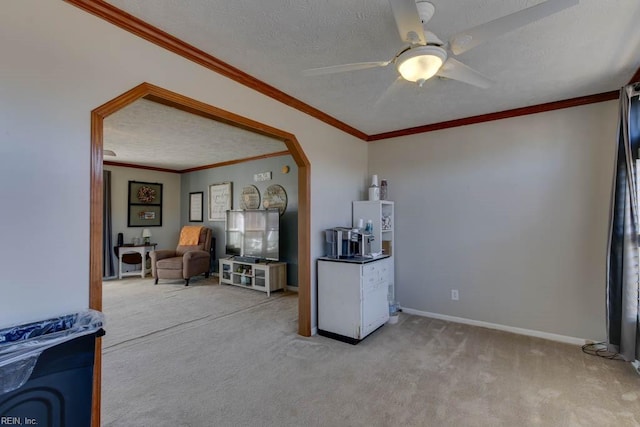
264	276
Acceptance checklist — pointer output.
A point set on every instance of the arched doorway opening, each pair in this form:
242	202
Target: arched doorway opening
158	94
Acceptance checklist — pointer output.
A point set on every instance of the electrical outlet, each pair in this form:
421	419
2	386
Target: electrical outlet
454	294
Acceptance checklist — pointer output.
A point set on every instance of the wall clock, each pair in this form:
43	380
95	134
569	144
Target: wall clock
275	197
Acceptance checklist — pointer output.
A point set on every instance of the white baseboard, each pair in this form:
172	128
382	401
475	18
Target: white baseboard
314	331
521	331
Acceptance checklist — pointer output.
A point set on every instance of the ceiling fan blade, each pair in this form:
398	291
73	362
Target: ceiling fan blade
393	87
408	21
456	70
472	37
344	68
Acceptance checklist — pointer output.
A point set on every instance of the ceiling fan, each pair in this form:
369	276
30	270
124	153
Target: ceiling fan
427	56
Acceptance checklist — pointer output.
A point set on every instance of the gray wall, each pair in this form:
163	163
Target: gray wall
165	236
241	175
52	79
454	208
512	213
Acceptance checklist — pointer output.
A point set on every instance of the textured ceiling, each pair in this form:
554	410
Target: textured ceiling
151	134
586	49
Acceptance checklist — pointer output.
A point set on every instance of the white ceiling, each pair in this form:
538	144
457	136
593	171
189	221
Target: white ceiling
586	49
151	134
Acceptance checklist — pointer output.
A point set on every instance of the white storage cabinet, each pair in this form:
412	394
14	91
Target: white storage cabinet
352	297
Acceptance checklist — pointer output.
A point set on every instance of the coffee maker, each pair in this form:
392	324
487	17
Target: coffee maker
345	243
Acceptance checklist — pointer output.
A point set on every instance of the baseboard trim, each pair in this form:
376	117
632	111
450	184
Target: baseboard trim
521	331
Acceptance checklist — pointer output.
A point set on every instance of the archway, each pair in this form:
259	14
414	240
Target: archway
158	94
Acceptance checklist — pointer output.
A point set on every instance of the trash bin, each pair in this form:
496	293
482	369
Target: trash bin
46	370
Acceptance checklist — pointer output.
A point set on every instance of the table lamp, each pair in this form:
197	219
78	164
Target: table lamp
146	234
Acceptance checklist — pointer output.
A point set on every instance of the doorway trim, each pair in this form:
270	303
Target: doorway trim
158	94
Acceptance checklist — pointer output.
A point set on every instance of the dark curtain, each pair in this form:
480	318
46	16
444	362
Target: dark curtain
623	334
108	269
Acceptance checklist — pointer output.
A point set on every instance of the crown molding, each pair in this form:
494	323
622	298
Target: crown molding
234	162
136	166
534	109
197	168
165	40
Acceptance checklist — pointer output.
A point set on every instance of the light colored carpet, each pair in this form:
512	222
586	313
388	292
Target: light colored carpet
212	355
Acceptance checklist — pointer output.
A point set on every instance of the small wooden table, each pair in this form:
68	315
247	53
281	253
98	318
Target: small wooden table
143	250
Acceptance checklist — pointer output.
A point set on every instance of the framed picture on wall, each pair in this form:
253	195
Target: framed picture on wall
220	200
196	208
145	204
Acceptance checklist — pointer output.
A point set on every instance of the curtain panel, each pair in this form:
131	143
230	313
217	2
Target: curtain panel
108	269
623	278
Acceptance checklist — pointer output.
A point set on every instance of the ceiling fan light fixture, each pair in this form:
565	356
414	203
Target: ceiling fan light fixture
421	63
426	10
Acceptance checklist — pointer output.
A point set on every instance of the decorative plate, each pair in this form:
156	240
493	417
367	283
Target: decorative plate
275	197
250	197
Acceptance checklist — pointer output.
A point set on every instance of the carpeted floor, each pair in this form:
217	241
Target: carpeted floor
212	355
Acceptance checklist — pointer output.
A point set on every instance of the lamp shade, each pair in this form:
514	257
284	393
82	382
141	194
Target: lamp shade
421	63
146	233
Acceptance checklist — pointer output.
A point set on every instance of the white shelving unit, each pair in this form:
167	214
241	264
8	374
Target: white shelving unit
266	277
380	212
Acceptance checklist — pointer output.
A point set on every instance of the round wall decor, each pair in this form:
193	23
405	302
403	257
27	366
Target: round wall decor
250	197
275	197
146	194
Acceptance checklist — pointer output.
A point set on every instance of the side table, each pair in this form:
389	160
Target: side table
143	250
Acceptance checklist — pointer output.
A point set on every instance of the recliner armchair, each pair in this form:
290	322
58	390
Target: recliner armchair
185	261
